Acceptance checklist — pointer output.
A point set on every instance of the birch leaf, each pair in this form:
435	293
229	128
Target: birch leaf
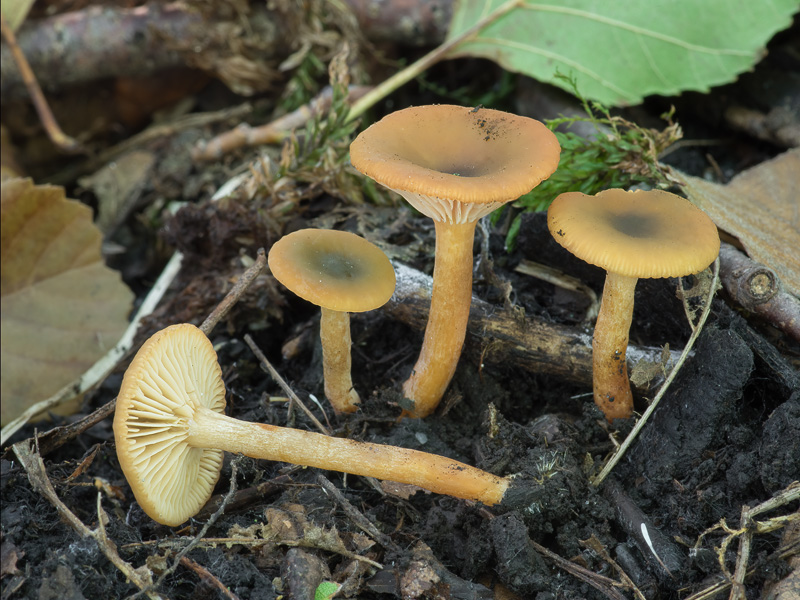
62	308
620	52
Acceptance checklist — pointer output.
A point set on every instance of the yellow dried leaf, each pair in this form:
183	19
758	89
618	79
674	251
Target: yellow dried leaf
62	308
761	207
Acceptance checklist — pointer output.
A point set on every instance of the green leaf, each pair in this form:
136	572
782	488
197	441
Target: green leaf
326	590
620	51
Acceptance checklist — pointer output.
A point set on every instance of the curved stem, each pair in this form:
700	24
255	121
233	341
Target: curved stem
209	429
447	322
334	332
612	390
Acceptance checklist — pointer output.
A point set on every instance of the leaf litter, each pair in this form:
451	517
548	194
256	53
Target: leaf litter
501	418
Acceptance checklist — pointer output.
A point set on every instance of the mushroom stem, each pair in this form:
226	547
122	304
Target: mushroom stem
447	321
210	429
334	332
612	390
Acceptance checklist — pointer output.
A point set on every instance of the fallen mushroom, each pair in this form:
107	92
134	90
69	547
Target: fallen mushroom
170	434
341	273
630	235
455	165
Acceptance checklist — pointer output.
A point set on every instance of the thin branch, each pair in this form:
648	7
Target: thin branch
281	382
232	297
51	126
31	461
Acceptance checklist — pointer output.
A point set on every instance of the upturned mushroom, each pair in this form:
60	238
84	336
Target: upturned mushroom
630	235
170	434
455	165
341	273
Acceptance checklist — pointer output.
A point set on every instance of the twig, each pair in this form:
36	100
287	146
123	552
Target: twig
354	515
51	126
790	494
151	134
232	297
423	64
201	534
208	577
32	462
58	436
758	289
285	386
562	280
615	458
595	545
786	550
103	367
272	133
603	584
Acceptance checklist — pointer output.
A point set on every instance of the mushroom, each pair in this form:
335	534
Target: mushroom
170	434
630	235
455	165
341	273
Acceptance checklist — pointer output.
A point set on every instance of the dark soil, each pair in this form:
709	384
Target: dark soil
726	435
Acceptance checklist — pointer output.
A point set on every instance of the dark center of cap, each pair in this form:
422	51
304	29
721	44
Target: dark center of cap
635	226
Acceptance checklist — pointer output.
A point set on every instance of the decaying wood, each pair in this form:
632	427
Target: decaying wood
99	41
757	289
502	336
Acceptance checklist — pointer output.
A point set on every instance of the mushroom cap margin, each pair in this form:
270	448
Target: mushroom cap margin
337	270
457	153
174	369
635	233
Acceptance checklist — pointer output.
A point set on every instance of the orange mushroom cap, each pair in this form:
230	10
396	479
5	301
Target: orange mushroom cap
337	270
454	163
635	233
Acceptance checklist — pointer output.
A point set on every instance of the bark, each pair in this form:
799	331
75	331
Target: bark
757	289
500	336
99	42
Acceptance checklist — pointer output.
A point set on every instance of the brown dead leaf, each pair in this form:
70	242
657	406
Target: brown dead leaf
62	308
117	187
9	555
761	207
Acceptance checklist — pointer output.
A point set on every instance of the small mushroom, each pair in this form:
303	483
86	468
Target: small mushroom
170	434
341	273
630	235
455	165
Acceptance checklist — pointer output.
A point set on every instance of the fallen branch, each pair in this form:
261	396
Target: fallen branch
502	336
757	289
105	41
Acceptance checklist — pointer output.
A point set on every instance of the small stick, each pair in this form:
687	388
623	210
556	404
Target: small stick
786	496
208	577
224	307
54	131
667	382
285	386
758	289
31	461
272	133
203	531
354	515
